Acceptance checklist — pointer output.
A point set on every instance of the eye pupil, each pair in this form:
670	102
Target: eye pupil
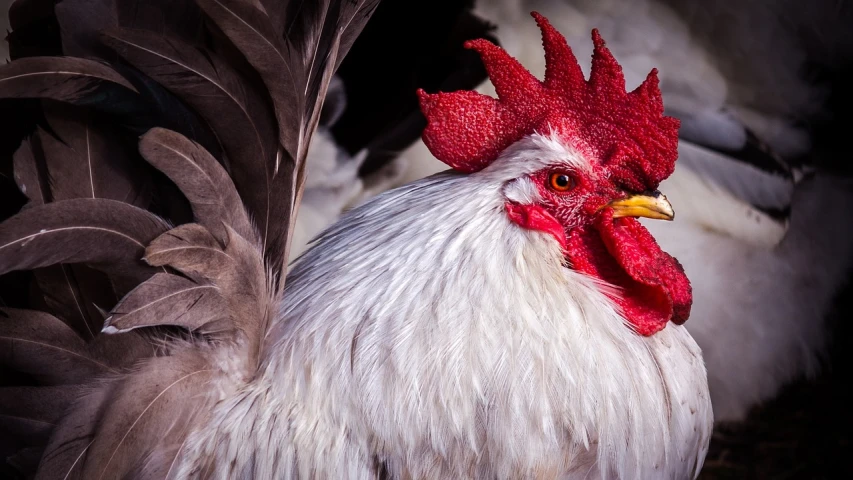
561	182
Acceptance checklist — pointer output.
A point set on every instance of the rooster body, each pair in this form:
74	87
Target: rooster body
459	346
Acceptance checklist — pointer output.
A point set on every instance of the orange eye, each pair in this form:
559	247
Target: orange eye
560	182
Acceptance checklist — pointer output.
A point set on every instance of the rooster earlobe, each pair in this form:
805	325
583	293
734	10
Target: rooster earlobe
606	74
562	71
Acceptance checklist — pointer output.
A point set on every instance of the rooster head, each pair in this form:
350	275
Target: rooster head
586	158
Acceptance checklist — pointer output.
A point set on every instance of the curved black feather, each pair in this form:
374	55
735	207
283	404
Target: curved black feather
236	113
105	234
78	157
295	47
41	345
32	412
67	79
202	180
167	299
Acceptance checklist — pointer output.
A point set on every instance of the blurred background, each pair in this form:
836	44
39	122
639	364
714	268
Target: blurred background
762	186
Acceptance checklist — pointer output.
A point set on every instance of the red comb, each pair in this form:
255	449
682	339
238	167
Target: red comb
626	131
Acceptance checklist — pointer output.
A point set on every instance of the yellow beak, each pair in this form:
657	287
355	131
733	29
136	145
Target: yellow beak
654	205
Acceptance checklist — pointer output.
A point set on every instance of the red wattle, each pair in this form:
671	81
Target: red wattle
621	252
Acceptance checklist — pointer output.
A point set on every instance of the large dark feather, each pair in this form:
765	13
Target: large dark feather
237	113
158	107
295	48
82	24
75	293
82	21
31	413
137	101
107	234
202	180
43	346
167	299
66	79
253	32
190	249
76	159
85	159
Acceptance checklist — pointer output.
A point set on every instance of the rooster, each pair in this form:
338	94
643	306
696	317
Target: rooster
510	318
